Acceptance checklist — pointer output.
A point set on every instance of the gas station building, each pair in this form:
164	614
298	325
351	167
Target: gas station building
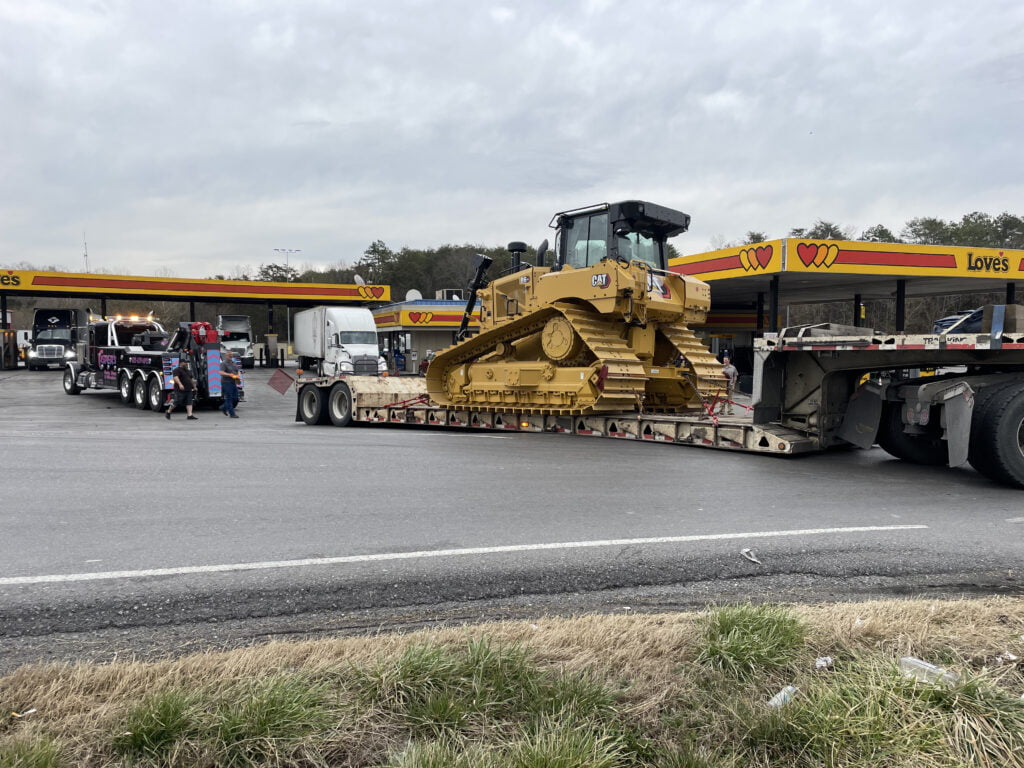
751	285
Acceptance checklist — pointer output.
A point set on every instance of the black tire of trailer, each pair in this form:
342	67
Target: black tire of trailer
929	449
140	394
997	448
249	364
339	404
70	385
313	405
978	455
155	393
124	387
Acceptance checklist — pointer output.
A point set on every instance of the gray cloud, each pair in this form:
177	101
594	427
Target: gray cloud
198	136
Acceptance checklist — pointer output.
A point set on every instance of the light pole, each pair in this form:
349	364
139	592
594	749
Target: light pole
287	307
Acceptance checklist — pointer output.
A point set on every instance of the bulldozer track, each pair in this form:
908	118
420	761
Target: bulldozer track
623	386
710	382
626	379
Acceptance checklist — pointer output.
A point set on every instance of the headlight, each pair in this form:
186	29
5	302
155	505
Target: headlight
31	353
69	354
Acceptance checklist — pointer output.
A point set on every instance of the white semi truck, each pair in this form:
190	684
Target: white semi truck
337	341
235	332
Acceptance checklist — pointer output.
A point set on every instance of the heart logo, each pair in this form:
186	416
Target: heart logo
806	252
371	291
756	258
820	255
419	318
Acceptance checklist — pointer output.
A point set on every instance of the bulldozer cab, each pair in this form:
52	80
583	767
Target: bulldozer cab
632	230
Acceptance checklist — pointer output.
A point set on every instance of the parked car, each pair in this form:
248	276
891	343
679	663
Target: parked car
968	321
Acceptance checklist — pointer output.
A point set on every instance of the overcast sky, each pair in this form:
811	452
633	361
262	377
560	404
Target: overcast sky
194	137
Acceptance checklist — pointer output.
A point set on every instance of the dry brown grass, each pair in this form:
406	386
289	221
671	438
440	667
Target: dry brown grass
641	656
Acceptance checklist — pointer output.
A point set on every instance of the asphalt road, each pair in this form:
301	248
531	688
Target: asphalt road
116	523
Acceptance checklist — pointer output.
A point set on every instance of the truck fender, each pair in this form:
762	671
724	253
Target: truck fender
863	412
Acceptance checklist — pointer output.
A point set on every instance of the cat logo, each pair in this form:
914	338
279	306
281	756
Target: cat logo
601	280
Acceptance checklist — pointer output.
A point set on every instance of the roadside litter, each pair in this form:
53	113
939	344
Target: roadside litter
783	697
922	671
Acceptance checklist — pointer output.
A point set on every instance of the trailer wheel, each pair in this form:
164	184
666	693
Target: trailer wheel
339	405
155	393
70	385
978	457
928	449
312	405
124	387
997	449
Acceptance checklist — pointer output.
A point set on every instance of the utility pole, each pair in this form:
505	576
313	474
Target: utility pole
287	307
85	245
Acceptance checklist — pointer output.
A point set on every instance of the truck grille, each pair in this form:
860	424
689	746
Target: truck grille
49	352
365	366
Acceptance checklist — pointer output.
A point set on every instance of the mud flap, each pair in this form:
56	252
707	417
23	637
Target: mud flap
958	411
863	413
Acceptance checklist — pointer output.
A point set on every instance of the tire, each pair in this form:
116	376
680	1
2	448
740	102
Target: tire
339	405
997	451
155	394
313	405
929	449
124	387
140	393
70	385
979	455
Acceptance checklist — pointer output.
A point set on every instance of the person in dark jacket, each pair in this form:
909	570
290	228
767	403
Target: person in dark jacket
185	389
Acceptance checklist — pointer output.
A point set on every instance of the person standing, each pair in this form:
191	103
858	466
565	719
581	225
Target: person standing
185	389
731	376
229	384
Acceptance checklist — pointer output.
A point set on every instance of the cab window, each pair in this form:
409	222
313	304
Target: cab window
587	241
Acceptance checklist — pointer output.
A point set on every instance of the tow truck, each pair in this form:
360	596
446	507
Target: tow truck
135	355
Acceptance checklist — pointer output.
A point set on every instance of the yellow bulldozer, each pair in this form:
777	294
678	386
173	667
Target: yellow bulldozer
606	327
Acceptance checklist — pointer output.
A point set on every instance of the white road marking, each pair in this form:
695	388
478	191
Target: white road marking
1015	519
258	566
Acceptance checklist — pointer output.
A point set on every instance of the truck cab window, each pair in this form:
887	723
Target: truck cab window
358	337
638	247
587	241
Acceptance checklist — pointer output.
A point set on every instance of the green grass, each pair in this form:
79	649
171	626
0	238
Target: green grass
31	752
153	726
639	694
269	719
746	639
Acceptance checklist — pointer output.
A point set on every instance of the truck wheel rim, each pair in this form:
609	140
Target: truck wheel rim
340	406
